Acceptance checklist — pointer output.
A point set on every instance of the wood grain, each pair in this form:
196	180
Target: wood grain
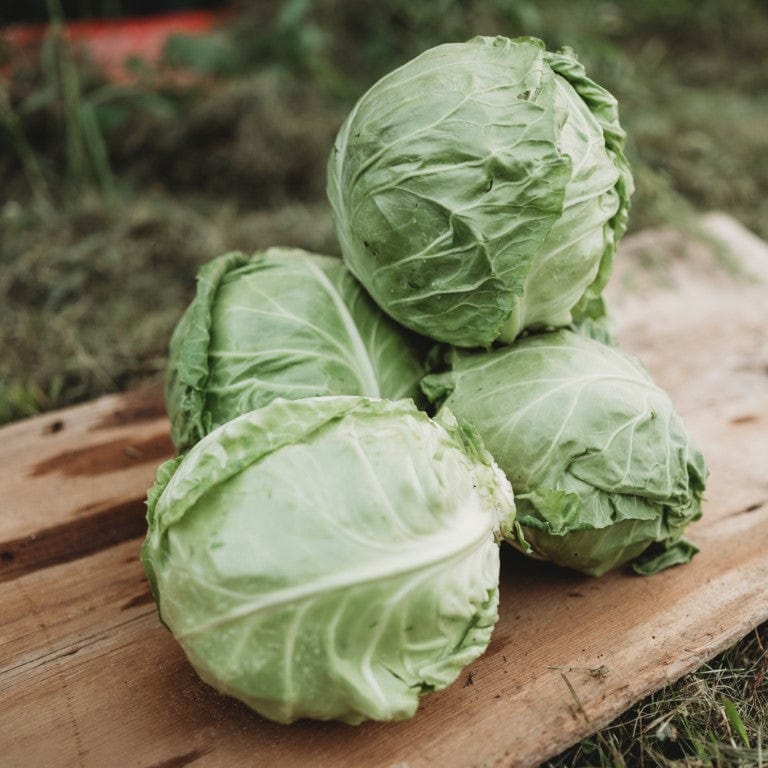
89	677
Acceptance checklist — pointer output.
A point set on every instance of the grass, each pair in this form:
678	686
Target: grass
713	718
124	273
114	195
238	153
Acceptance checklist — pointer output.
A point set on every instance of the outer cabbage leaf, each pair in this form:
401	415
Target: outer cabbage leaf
601	464
596	323
282	323
604	109
479	190
331	557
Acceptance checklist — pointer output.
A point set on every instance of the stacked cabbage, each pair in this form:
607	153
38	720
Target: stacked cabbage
323	548
601	464
481	189
479	193
329	557
281	323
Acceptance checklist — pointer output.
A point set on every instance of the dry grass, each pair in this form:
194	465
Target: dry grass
716	717
93	275
91	294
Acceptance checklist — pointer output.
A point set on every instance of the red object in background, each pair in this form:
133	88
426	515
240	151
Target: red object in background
110	43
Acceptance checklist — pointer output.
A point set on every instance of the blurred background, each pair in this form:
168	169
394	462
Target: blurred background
139	139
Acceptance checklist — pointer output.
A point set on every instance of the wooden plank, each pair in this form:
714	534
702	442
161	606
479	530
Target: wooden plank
75	481
84	660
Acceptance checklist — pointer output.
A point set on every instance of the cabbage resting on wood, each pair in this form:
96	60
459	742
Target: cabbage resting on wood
601	463
331	557
481	189
281	323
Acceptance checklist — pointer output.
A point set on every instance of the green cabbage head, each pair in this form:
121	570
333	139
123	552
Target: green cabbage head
332	557
481	189
281	323
601	463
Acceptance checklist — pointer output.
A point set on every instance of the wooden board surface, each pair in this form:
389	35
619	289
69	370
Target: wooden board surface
88	676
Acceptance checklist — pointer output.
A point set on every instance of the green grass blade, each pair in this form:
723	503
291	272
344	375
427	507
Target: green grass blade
734	719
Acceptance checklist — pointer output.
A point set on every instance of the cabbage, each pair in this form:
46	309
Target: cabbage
601	464
331	557
481	189
282	323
